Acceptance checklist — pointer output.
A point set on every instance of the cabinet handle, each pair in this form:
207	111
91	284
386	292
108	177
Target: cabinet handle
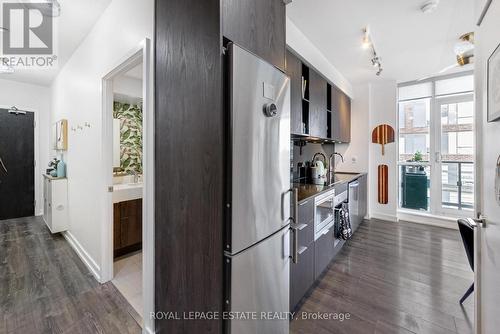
300	227
302	250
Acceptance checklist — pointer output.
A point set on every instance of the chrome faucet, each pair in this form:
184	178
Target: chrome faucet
330	166
136	176
340	155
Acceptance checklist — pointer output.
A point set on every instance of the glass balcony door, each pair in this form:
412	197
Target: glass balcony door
436	145
454	155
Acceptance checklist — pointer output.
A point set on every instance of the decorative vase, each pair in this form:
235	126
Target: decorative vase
61	169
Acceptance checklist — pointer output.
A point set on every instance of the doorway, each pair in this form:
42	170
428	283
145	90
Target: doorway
17	163
128	179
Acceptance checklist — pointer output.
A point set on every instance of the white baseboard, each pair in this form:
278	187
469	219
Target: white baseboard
83	254
428	219
383	216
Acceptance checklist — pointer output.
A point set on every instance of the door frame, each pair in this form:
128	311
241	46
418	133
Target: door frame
38	209
142	53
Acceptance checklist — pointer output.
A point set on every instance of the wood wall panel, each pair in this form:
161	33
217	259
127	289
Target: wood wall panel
257	25
188	163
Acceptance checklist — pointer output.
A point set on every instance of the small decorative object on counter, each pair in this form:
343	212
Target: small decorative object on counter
383	184
61	168
52	170
383	134
345	222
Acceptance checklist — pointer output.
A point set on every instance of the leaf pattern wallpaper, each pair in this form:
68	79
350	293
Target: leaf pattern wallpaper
130	116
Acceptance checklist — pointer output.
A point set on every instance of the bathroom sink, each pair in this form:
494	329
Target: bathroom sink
127	192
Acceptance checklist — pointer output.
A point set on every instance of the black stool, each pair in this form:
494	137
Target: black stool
467	233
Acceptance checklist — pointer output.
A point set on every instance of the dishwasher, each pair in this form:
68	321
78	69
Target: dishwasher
354	205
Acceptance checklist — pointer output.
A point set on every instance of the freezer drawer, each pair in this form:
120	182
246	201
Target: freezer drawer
259	282
259	150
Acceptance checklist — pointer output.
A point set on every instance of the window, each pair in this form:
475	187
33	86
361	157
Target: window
414	121
436	144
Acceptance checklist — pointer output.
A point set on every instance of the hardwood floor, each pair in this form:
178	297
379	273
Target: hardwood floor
45	288
394	278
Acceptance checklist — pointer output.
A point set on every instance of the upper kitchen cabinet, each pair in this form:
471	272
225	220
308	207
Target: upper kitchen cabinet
340	116
317	105
258	26
294	71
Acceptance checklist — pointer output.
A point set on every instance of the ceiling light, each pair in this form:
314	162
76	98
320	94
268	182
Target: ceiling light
368	43
429	6
366	39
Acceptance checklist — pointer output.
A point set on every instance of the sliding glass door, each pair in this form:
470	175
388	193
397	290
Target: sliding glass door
436	140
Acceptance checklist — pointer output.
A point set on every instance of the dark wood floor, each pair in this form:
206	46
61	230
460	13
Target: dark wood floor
394	278
45	288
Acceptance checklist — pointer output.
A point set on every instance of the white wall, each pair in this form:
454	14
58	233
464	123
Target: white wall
124	85
374	104
296	40
487	38
382	97
36	98
77	96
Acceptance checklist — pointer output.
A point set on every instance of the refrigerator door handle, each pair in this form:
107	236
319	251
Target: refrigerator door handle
295	244
295	207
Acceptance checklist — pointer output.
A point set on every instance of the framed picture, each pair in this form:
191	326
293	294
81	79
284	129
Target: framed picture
494	86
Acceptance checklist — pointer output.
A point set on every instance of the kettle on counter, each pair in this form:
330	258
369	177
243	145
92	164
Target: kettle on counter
318	172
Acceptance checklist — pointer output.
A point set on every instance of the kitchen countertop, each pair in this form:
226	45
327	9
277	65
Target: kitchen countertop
307	191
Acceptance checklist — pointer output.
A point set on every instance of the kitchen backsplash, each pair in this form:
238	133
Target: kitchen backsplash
308	152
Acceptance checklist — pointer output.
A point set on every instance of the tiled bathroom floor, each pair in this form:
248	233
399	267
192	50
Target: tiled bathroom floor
128	279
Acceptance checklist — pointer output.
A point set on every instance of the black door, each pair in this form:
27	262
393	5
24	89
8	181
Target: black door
17	165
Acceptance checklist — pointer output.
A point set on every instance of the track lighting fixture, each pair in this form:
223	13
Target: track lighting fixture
368	43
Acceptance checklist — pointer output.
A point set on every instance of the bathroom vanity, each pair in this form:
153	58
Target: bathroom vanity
127	227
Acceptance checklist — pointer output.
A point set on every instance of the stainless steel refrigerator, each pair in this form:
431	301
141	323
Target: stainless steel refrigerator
257	238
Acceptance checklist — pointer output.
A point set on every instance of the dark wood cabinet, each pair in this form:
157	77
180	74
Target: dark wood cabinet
317	105
294	70
258	26
341	116
127	227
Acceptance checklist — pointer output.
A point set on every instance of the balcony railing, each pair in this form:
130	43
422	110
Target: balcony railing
457	184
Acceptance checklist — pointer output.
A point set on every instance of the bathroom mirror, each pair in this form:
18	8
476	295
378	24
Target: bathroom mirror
61	135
